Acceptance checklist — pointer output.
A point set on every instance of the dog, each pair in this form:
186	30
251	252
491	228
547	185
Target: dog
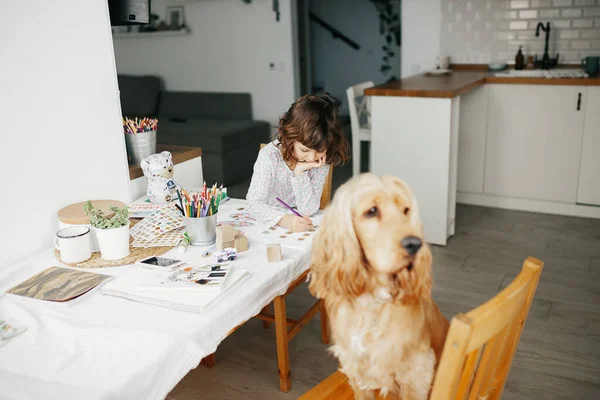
372	268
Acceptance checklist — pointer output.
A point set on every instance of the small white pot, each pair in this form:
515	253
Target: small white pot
113	243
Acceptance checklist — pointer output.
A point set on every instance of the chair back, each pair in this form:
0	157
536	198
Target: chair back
326	194
356	107
479	348
481	344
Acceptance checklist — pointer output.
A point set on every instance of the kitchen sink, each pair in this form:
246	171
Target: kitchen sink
541	73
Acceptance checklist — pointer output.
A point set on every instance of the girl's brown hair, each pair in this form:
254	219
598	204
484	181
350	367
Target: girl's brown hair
313	120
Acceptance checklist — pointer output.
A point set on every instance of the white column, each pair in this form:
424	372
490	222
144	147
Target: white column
416	139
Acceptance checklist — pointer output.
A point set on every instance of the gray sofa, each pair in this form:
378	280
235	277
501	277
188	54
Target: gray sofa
220	123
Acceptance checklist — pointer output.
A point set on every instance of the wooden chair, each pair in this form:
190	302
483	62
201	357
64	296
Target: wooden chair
479	348
279	316
359	133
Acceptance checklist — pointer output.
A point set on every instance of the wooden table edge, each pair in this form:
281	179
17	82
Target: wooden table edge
180	154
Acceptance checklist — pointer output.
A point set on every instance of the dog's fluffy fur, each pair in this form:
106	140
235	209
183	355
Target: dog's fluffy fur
388	334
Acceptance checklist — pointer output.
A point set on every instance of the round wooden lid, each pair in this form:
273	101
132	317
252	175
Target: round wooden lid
75	215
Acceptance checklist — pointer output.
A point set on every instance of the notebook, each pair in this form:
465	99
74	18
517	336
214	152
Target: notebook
189	278
59	285
191	301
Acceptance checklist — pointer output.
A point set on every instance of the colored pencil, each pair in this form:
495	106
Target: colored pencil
201	204
289	208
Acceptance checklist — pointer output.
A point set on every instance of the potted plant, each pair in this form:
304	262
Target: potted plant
112	231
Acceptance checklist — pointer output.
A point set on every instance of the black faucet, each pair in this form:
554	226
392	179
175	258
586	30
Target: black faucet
546	61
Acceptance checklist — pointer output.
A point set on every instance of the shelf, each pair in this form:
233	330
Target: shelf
120	35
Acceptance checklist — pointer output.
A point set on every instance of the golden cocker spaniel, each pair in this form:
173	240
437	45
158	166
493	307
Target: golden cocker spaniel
372	268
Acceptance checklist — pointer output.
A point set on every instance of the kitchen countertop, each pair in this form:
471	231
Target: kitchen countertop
462	81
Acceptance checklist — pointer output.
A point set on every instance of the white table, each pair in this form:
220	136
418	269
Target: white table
110	348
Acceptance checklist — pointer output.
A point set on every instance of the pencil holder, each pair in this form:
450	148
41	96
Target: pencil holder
140	145
202	231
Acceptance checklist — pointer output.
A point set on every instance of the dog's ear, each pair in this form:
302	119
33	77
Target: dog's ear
337	265
424	277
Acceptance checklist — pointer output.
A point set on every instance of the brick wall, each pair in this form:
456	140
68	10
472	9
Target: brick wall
480	31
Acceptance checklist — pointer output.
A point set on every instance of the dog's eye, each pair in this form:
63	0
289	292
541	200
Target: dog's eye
406	210
372	212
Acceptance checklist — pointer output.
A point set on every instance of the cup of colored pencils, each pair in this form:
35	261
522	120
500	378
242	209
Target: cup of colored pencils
199	210
140	138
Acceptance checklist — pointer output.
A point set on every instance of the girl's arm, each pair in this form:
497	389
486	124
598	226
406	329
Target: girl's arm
260	191
308	188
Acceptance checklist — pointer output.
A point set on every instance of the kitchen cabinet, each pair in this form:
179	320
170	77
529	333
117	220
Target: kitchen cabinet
588	191
534	141
471	140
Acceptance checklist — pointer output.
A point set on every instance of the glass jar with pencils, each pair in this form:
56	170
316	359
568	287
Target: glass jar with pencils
199	210
140	138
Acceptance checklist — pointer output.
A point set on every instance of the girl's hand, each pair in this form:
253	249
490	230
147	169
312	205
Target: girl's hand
302	167
295	223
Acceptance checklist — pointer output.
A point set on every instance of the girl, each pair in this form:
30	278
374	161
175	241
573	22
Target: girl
295	165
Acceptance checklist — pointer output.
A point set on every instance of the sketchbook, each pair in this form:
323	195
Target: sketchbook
128	287
190	278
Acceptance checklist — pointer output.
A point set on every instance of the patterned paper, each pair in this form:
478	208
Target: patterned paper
159	222
170	238
142	210
58	284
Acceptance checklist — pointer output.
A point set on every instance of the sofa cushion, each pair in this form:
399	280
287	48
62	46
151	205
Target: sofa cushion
214	136
139	95
206	105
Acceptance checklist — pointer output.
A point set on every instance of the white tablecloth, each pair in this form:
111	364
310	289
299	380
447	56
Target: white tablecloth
106	347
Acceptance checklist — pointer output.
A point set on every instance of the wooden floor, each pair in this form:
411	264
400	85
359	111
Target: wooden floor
559	354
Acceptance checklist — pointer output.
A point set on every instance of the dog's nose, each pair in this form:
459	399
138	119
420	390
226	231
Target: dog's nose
411	244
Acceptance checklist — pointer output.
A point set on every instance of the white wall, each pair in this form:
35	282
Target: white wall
230	50
61	134
336	65
421	20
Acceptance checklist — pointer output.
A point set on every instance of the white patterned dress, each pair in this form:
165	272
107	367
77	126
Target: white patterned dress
272	178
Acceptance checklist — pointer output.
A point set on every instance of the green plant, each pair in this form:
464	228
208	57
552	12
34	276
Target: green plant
389	27
99	220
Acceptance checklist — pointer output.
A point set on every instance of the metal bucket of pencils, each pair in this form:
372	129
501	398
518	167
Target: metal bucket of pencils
140	138
199	210
202	231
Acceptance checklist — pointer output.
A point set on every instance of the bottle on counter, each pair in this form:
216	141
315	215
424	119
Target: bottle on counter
520	59
530	63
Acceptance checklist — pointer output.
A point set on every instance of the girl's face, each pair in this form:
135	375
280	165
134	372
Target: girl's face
304	154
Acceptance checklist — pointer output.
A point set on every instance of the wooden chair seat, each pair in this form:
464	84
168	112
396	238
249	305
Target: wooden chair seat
479	348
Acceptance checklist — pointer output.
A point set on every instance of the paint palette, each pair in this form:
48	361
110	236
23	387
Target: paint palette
159	222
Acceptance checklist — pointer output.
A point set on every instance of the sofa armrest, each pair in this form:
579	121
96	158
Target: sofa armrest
208	105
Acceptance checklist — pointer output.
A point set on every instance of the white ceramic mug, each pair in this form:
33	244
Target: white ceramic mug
442	62
74	244
93	240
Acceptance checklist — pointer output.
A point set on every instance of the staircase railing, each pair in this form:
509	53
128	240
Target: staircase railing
334	32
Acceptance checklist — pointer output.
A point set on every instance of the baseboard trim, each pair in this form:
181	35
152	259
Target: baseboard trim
538	206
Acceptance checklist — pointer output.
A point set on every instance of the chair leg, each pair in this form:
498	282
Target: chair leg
266	309
281	334
355	153
324	323
209	361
